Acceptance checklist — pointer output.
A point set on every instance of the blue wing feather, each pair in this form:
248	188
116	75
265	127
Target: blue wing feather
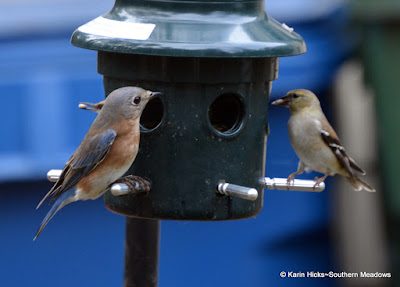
89	154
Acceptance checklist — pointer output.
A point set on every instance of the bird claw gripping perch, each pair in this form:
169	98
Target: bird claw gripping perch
130	184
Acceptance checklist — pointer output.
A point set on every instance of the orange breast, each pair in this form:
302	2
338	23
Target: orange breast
115	164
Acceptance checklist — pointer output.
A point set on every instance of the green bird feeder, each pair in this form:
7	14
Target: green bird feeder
214	61
203	143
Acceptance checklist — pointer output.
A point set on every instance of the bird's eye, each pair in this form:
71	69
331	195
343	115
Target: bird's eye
295	96
136	100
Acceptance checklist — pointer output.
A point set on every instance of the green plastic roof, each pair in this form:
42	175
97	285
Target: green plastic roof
211	29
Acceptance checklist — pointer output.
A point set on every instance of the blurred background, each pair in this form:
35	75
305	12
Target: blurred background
352	63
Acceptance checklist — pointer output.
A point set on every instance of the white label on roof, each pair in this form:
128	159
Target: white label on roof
290	29
118	29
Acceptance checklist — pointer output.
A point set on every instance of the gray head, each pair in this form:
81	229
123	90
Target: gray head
299	100
127	102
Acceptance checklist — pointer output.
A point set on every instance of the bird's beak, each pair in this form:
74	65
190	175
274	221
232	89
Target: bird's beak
155	94
285	101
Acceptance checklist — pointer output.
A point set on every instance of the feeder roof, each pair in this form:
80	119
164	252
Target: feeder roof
234	28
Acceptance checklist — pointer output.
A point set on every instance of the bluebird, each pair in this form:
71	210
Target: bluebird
315	141
105	153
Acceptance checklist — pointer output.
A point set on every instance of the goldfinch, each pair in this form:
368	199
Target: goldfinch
316	143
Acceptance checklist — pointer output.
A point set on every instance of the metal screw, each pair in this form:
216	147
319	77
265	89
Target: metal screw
53	175
237	191
118	189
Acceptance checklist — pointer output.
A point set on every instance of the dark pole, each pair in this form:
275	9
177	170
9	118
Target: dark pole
141	252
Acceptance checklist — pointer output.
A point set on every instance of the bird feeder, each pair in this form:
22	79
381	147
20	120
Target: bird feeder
203	143
214	61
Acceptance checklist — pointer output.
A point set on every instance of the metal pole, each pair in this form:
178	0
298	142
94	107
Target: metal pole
141	252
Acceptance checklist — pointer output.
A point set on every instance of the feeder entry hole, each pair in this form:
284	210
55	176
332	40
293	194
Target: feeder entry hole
226	113
152	115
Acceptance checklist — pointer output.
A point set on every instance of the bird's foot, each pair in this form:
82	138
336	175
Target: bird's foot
136	184
318	181
290	179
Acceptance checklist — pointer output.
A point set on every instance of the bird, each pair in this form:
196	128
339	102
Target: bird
106	152
316	142
92	107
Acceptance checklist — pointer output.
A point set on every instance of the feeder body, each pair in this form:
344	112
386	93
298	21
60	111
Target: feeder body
214	61
213	127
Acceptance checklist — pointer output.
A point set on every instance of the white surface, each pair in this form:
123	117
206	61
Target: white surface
118	29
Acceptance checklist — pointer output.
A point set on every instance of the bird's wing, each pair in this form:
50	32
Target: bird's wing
355	166
331	139
90	153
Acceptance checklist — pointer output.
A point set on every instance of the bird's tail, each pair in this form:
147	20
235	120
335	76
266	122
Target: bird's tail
359	184
62	200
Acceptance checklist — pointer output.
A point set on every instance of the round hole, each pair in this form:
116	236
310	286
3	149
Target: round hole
226	113
152	115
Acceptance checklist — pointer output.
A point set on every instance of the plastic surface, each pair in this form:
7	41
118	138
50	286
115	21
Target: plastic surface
234	28
214	127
